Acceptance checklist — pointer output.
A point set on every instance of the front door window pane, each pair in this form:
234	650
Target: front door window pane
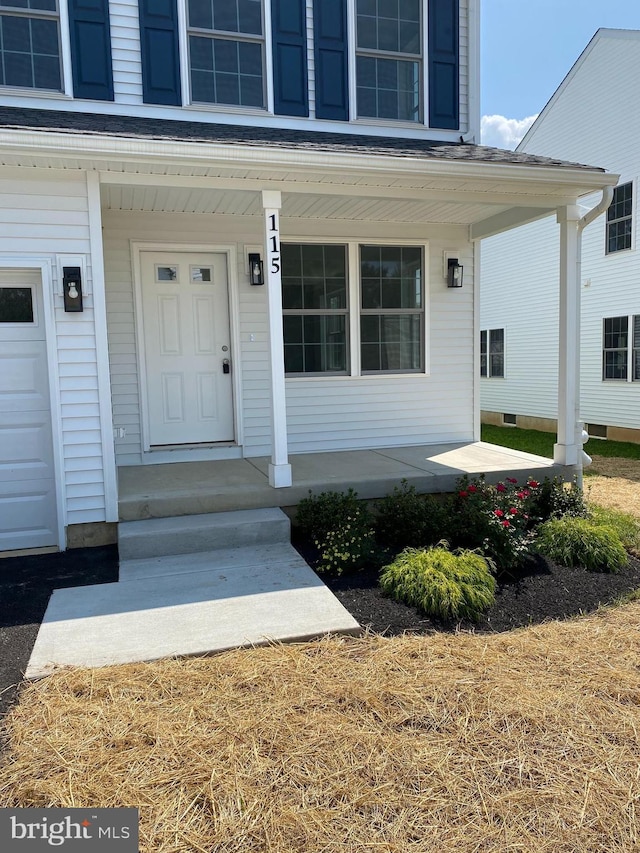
16	305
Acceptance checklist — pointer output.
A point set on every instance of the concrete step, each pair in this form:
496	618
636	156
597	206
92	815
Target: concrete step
188	534
221	560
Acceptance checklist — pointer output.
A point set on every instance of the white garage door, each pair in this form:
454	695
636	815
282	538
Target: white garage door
27	486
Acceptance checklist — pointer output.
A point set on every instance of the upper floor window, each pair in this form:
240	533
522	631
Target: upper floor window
492	353
226	52
619	219
389	59
621	348
30	44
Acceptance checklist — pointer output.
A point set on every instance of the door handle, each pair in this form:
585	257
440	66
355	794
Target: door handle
226	366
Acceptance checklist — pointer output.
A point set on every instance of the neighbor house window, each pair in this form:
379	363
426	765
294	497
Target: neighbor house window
30	44
621	348
492	353
226	52
314	307
619	219
389	58
391	309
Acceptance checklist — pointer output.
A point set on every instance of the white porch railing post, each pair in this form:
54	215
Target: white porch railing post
568	449
279	467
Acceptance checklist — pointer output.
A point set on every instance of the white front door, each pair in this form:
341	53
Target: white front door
185	303
28	514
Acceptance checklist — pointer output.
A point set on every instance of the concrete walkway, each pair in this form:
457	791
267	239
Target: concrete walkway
191	603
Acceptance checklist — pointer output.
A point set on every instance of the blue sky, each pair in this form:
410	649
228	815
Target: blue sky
528	46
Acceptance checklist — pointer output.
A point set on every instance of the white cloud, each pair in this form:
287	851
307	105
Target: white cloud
501	132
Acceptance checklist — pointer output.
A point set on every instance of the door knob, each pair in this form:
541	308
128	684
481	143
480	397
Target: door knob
226	367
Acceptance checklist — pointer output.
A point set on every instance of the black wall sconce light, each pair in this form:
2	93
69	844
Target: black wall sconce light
72	288
256	269
454	273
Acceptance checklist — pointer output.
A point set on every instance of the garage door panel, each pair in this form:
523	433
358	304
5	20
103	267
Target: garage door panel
28	505
24	383
27	515
25	446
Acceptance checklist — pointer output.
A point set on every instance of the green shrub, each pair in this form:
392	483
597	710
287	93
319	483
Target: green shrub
318	515
493	519
554	498
349	547
441	583
406	519
581	542
626	526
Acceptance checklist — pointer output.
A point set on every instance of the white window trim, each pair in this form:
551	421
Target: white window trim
353	312
488	331
353	88
185	68
634	204
66	75
629	348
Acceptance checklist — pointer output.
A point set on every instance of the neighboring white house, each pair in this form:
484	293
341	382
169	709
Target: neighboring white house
156	159
590	119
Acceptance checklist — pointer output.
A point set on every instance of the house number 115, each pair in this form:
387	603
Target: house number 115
274	243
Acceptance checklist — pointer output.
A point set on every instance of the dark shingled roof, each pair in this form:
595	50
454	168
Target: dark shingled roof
131	127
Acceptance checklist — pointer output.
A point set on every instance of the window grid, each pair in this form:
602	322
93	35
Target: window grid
30	54
315	309
492	353
226	52
389	59
391	309
619	219
621	348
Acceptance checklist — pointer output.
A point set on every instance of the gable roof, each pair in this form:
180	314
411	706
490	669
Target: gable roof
602	33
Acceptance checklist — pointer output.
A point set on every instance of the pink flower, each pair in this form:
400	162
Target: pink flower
521	495
498	512
473	489
511	480
513	511
501	487
506	524
463	494
533	484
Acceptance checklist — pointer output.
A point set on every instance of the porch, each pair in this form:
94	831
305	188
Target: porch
191	488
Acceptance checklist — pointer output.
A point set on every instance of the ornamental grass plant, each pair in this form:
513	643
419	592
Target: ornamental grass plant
441	583
582	542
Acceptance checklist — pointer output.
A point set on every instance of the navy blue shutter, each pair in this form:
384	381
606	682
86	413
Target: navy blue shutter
444	86
90	38
160	52
332	81
290	84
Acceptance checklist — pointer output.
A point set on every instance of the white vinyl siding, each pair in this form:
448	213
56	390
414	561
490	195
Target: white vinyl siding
125	51
587	121
127	83
341	412
44	217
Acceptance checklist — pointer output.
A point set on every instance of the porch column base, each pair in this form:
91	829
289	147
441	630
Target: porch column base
280	476
566	454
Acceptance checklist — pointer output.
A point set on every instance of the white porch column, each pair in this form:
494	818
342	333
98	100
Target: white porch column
279	467
568	449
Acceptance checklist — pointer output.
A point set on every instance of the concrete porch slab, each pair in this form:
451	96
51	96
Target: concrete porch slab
187	605
186	488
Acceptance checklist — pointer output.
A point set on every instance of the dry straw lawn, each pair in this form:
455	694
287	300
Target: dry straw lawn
527	741
614	483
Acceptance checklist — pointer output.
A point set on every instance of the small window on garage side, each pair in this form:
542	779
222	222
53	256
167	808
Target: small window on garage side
315	309
615	349
30	44
492	353
16	305
620	219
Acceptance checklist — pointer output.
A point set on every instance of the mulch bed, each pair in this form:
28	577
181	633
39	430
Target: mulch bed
542	591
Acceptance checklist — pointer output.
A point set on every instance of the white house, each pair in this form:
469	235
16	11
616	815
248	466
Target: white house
159	159
590	118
